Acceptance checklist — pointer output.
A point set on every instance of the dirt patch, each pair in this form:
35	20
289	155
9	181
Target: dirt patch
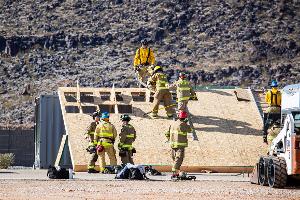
78	189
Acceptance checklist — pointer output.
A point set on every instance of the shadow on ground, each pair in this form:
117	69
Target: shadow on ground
224	125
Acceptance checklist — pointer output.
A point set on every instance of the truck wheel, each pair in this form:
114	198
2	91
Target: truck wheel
277	175
262	171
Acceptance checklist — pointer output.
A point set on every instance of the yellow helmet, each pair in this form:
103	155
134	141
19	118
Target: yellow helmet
157	68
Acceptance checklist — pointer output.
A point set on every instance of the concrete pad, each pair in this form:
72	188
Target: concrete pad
28	174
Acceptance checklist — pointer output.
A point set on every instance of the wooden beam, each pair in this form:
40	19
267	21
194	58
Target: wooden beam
60	150
190	169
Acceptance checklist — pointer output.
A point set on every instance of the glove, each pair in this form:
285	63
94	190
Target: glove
91	149
99	148
194	98
138	68
133	150
265	139
120	146
167	134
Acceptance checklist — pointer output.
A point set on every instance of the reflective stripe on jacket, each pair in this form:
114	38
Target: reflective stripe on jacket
178	134
106	133
127	136
184	90
90	130
162	82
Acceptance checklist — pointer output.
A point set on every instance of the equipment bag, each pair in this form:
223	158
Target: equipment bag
123	174
132	172
135	174
57	173
150	170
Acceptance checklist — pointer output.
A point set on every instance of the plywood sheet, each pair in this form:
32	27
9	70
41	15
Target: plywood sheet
229	131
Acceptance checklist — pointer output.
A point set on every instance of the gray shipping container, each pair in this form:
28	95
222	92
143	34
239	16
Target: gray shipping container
48	132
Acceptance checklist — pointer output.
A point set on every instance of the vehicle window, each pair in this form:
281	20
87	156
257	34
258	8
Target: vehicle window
297	130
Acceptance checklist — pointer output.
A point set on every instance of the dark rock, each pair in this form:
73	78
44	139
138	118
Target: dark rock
118	1
54	41
158	35
2	43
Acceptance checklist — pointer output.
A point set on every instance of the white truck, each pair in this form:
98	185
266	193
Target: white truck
283	159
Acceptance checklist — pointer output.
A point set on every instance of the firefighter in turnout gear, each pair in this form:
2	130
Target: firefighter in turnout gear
177	135
184	92
127	137
273	99
92	143
159	83
144	60
106	134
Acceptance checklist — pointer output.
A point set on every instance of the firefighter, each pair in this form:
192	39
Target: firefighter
273	99
177	135
144	60
184	92
159	83
273	131
105	136
92	143
127	137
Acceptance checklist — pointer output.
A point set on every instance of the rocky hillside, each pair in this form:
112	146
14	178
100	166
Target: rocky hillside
47	44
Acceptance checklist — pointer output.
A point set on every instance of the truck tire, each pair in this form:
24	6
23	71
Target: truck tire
277	174
263	171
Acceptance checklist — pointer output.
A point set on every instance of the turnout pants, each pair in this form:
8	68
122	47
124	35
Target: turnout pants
273	109
127	157
144	72
177	157
93	160
111	155
165	96
182	105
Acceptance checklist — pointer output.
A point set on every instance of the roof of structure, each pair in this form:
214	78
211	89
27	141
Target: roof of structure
229	130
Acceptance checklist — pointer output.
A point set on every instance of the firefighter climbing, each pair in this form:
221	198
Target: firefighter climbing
159	83
184	92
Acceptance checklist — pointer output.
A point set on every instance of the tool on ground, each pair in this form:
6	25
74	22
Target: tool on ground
182	176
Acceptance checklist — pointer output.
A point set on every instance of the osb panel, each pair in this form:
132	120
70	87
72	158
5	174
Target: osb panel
229	132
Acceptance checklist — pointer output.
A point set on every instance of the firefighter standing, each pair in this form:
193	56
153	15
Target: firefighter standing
144	60
177	135
159	82
127	137
273	99
92	143
105	136
184	92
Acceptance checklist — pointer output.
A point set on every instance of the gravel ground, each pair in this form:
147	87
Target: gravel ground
28	184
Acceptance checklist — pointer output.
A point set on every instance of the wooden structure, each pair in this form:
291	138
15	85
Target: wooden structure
229	131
